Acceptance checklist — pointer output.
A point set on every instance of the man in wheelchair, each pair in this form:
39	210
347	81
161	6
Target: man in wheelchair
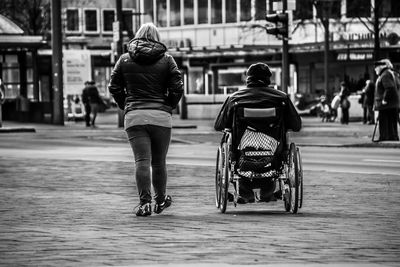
258	114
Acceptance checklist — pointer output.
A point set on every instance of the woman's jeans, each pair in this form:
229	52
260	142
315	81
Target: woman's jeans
150	146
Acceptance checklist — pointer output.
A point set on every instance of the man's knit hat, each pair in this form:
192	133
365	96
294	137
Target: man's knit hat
384	62
259	72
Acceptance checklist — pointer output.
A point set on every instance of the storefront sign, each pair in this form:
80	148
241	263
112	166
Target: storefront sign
353	56
77	70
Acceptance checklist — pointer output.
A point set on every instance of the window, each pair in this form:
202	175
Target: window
358	8
175	13
389	8
91	20
329	9
261	9
245	10
216	11
161	11
304	10
203	11
108	19
127	19
149	11
230	9
188	12
73	20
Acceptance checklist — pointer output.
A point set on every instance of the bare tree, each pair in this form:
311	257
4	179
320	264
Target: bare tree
325	10
33	16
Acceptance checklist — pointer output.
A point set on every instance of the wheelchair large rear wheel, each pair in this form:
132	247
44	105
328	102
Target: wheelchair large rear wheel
218	175
292	184
224	183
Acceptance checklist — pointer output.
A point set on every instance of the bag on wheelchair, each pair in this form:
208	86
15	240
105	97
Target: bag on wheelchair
257	153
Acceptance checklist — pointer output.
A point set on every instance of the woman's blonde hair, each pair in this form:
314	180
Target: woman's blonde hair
148	31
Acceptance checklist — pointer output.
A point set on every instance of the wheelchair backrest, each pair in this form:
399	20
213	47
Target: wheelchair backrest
265	120
268	120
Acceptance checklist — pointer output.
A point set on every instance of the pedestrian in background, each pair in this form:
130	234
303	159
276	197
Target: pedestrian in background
2	99
361	101
324	109
335	106
368	101
344	103
92	101
147	84
85	101
387	100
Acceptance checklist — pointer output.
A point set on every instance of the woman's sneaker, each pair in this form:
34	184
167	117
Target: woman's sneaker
144	210
159	207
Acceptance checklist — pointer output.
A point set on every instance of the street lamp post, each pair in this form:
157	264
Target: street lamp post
118	5
56	46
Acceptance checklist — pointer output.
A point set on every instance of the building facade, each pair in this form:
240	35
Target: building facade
214	41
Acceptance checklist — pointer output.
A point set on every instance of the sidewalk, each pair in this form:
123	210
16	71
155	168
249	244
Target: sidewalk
313	133
60	209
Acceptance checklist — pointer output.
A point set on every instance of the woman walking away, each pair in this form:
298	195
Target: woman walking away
147	85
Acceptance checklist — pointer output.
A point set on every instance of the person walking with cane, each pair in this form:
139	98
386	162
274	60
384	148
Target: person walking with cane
387	101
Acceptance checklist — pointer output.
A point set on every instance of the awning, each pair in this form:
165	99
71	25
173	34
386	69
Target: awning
21	41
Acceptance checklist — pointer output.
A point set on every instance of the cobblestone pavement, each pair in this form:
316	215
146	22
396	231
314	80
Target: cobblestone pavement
79	213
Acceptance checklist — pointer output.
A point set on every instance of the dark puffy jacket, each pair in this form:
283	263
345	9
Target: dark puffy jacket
386	90
91	95
146	78
252	95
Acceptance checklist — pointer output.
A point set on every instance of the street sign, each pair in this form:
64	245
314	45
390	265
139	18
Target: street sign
278	6
116	26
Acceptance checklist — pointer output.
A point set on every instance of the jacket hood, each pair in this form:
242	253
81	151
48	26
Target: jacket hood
146	51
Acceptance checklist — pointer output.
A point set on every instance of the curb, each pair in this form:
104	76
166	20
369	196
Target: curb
17	130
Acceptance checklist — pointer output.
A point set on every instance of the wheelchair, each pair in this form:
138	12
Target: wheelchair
267	155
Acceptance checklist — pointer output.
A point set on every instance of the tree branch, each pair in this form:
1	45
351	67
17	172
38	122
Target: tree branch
366	25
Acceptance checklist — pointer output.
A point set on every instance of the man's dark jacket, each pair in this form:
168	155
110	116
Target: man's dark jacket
91	95
252	94
146	78
386	89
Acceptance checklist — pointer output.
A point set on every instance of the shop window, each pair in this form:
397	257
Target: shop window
216	11
72	20
304	10
188	12
108	19
196	81
10	75
149	11
230	80
203	11
101	75
245	10
161	11
91	22
175	13
230	10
